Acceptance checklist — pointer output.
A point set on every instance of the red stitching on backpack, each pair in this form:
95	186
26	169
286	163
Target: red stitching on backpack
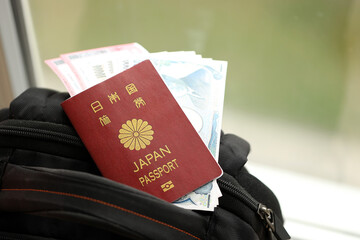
106	204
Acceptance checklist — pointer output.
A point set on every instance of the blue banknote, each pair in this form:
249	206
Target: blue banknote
200	93
198	87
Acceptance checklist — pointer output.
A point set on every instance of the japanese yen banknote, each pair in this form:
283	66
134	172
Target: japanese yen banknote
197	84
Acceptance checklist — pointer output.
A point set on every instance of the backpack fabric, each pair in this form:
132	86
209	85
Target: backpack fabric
50	188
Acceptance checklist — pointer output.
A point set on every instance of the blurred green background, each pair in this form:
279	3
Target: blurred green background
287	59
293	78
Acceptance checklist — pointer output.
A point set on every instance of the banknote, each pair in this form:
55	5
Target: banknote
66	75
96	65
198	87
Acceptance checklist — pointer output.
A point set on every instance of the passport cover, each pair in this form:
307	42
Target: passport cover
138	135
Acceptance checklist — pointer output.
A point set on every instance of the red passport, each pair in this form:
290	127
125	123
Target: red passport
138	135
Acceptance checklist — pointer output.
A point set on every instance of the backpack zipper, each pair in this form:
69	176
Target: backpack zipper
40	134
268	217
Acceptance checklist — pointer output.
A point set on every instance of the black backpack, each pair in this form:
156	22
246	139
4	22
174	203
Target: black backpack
50	187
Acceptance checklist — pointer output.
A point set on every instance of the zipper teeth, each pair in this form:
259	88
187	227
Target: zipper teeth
40	134
239	193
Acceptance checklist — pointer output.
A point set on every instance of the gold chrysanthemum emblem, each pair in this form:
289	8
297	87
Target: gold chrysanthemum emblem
136	134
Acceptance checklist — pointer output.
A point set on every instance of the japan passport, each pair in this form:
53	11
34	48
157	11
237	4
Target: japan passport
138	135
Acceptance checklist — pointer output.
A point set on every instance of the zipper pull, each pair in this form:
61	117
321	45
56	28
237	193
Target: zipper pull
272	223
